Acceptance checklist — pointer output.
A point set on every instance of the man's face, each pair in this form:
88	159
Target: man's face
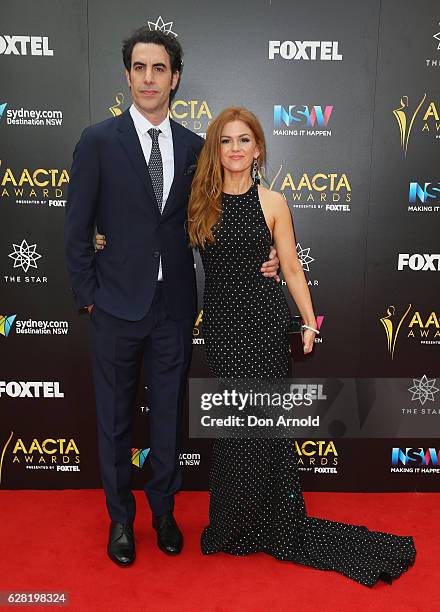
151	80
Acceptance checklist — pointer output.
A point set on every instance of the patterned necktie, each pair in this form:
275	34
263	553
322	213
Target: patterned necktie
155	167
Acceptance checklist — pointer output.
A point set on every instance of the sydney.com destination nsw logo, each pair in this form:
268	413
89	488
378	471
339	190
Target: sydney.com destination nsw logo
10	325
32	117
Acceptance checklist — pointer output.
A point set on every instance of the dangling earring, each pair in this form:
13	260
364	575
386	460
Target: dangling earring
254	172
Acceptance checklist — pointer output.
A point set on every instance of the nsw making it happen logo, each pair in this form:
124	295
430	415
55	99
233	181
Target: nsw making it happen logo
301	120
415	460
424	197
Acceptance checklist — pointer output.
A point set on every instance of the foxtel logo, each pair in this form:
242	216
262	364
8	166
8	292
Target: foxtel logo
419	261
305	50
30	389
24	45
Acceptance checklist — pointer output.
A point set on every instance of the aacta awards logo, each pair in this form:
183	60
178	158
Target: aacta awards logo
318	456
192	114
301	120
324	191
38	186
56	454
423	117
414	325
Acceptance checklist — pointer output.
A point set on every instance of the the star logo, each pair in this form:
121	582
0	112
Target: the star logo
162	26
437	37
25	255
423	389
304	257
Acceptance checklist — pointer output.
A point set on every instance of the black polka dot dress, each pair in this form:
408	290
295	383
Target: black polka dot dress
256	504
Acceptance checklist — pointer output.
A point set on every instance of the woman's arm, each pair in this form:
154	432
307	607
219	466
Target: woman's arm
275	208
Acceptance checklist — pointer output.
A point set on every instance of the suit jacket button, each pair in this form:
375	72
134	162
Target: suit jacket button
156	253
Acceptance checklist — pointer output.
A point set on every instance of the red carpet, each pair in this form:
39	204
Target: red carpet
56	540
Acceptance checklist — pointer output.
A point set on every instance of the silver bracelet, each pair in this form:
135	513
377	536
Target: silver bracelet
311	328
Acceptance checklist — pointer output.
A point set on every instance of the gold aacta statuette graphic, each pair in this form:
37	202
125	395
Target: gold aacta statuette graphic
115	109
390	331
3	454
405	125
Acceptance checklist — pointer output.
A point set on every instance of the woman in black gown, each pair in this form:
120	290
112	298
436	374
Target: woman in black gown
256	502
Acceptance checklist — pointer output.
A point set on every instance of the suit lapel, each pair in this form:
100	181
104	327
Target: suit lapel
129	140
180	148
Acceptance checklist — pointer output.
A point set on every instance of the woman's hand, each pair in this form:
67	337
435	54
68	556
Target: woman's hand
308	341
100	242
270	267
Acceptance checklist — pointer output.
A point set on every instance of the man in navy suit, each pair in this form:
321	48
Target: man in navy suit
131	176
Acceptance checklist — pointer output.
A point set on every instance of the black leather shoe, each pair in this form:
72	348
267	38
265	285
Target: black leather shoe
169	536
121	548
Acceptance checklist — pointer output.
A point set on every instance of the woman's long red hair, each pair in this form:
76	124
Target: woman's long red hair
204	208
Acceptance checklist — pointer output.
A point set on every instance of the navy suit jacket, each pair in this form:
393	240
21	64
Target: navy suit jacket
110	187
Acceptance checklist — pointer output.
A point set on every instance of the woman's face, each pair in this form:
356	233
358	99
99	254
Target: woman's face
238	147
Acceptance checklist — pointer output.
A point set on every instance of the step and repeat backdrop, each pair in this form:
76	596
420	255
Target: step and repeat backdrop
349	98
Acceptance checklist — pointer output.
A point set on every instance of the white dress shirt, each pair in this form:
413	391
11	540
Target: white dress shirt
142	126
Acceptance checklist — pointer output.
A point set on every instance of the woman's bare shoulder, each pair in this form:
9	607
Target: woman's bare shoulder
272	199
